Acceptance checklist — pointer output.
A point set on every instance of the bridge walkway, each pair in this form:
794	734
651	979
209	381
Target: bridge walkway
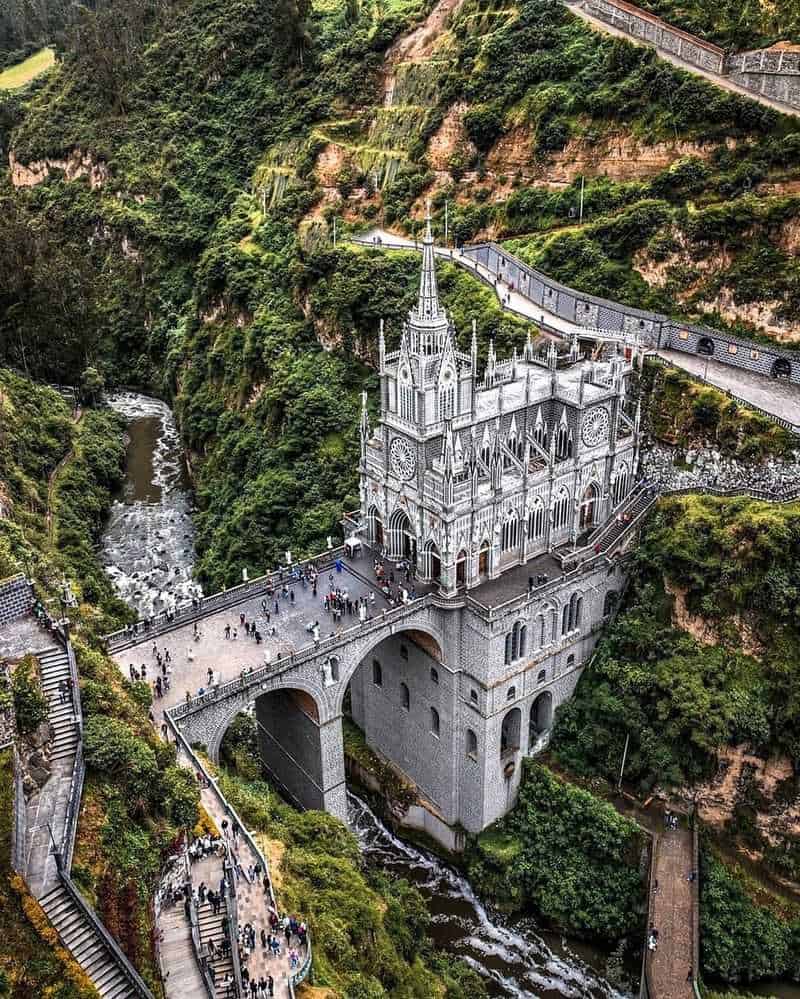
777	398
723	82
672	913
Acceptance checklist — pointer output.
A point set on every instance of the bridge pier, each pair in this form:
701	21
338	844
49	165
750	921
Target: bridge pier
303	756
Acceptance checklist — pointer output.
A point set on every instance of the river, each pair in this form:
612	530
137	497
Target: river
149	553
148	544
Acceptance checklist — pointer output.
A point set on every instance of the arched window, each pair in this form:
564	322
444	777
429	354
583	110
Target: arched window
447	396
405	696
377	673
542	676
510	533
435	722
565	619
483	558
509	732
589	504
539	631
509	648
333	662
610	602
473	695
540	435
564	442
511	693
407	402
434	676
536	519
622	483
519	641
561	509
472	745
571	660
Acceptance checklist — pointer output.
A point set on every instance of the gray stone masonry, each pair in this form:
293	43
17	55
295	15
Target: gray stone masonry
16	600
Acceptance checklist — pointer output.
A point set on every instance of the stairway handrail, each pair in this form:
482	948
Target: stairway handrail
122	962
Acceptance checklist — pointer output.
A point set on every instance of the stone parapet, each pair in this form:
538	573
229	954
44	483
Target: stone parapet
16	599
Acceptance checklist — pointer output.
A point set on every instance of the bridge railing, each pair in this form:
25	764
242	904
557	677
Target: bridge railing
253	677
203	606
20	839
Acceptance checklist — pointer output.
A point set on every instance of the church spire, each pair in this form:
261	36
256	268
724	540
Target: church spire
428	301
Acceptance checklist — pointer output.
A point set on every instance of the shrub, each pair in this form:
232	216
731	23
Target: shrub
30	703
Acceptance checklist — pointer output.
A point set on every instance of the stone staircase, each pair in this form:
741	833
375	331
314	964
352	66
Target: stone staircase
54	664
213	927
87	945
48	808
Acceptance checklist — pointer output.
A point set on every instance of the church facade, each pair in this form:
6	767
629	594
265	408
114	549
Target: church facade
493	486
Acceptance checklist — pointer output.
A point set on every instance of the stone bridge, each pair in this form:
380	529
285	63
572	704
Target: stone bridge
300	729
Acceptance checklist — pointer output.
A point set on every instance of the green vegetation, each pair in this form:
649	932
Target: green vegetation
31	962
684	412
136	798
570	857
370	932
22	73
734	563
743	941
30	704
732	24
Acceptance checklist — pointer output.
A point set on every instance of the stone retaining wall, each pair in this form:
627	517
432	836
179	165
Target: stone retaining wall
652	328
643	25
773	73
16	599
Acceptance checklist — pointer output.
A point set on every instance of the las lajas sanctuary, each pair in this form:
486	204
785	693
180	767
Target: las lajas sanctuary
509	492
511	495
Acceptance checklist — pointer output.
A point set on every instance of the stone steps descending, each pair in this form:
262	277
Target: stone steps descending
86	945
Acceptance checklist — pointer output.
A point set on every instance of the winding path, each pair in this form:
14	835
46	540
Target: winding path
723	82
775	398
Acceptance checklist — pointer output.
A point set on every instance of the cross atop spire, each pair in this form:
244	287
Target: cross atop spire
428	301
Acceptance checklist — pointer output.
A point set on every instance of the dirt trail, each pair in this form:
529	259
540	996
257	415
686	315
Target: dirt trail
418	45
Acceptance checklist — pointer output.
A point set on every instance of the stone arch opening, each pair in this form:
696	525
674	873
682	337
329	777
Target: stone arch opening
375	525
541	717
461	568
610	603
290	744
402	539
705	346
590	502
432	562
782	368
510	733
405	720
483	559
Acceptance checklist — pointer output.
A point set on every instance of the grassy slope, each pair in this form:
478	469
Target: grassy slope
30	964
18	76
123	833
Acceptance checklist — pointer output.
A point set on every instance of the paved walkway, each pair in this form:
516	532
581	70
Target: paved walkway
724	82
191	659
671	914
782	398
253	902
